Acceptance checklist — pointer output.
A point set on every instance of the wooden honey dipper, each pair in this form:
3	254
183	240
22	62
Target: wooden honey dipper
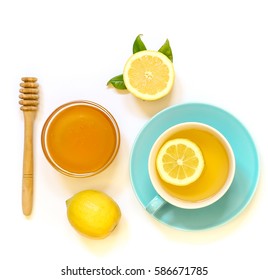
29	101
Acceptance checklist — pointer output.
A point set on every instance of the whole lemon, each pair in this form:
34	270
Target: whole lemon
93	213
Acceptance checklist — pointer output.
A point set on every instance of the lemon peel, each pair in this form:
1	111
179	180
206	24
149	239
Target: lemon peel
93	213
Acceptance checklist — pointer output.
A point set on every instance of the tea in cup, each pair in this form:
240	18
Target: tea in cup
215	177
80	138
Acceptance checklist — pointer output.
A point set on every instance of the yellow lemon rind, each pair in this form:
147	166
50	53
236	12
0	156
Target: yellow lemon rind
90	223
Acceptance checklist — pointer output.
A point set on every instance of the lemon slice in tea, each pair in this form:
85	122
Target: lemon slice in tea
149	75
179	162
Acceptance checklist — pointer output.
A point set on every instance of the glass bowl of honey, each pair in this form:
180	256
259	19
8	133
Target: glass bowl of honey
80	138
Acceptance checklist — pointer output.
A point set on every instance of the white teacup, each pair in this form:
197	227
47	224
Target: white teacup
163	196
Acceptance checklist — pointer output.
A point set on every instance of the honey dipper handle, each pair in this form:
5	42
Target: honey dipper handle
27	181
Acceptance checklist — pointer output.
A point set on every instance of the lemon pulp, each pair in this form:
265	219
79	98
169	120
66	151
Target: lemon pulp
179	162
149	75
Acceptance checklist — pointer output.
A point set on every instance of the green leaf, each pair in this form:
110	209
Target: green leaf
166	50
117	82
138	44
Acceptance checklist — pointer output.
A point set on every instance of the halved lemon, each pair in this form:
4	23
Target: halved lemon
149	75
180	162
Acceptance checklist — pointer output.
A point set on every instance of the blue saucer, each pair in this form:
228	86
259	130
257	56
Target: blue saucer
246	175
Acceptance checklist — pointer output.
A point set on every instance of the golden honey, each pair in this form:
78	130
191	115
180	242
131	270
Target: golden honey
80	138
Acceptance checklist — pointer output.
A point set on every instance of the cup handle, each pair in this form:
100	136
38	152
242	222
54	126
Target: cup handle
155	204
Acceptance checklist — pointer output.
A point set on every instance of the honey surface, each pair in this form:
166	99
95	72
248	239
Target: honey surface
81	139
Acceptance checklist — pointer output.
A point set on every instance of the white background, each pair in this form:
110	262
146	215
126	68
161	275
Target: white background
220	53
